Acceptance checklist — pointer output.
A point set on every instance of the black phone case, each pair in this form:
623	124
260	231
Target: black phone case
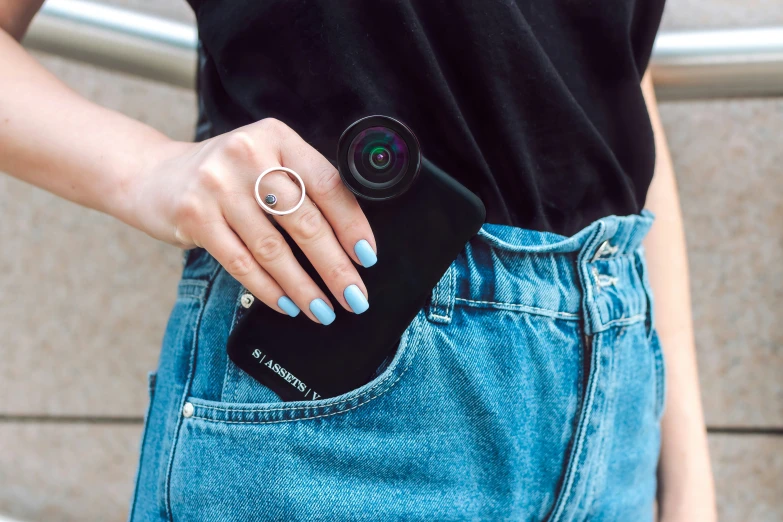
419	234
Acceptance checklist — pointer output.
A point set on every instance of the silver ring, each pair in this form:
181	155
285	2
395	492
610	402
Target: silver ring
266	207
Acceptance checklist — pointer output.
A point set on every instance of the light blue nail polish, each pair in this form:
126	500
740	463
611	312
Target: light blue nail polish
288	306
356	299
365	253
322	312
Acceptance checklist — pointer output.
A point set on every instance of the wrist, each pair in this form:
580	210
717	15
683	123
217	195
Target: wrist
130	202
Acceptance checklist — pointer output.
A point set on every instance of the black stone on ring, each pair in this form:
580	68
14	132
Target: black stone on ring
270	200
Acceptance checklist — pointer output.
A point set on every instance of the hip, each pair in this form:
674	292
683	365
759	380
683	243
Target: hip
529	387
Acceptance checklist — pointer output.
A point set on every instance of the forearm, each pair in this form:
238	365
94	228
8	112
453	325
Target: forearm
53	138
685	479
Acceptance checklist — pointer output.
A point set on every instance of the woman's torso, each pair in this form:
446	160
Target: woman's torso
534	105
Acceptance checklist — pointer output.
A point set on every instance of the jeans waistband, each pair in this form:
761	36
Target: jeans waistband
597	275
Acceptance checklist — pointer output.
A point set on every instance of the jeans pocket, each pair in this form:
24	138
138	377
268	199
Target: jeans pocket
230	410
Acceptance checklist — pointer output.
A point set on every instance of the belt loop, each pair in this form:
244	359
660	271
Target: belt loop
441	304
641	264
592	319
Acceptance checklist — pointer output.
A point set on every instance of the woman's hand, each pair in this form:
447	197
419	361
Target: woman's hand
187	194
202	194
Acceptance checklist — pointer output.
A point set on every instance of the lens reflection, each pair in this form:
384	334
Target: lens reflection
378	156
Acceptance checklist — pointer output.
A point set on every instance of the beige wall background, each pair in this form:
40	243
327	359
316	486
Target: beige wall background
85	299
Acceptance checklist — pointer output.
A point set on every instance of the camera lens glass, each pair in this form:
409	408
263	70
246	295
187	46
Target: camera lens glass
378	157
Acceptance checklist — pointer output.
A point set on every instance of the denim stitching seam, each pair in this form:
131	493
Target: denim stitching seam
191	369
579	438
441	305
609	403
191	288
315	416
625	321
229	380
291	408
519	308
659	378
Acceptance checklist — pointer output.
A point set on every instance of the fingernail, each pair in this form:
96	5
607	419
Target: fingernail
365	253
356	299
322	312
288	306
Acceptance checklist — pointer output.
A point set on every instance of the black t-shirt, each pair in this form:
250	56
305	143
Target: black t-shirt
535	105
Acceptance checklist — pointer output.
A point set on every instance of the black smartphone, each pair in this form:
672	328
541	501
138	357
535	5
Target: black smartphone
421	218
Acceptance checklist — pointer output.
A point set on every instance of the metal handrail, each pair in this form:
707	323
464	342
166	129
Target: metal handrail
117	39
722	63
685	65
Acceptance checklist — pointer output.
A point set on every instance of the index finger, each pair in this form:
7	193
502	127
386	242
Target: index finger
337	204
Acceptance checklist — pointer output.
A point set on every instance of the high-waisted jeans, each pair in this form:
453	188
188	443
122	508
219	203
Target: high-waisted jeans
530	387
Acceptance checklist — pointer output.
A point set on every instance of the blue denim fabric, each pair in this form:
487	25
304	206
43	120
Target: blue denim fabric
529	388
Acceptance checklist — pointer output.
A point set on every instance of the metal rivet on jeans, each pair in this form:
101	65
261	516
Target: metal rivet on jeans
247	300
187	410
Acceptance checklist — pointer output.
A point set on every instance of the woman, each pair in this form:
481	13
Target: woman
531	386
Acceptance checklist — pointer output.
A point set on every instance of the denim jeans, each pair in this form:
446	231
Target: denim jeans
530	387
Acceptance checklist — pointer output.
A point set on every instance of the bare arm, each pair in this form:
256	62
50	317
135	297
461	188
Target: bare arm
53	138
686	491
187	194
15	15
